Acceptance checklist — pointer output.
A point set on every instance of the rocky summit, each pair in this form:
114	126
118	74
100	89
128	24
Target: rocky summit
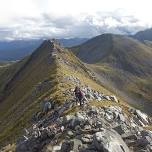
48	117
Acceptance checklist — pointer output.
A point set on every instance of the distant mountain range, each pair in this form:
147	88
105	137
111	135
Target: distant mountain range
144	35
17	49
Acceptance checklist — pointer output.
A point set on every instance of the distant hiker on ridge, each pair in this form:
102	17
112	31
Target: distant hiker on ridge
79	95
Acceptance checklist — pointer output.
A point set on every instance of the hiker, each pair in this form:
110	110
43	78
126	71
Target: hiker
79	95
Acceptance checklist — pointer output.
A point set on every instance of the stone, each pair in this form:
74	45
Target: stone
76	120
146	133
80	116
107	97
89	96
67	119
119	129
129	136
121	117
137	121
87	127
87	139
144	141
109	117
56	148
113	98
67	146
92	110
70	133
77	145
109	140
143	117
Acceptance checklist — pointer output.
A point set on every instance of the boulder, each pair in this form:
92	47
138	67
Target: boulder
87	139
109	140
70	133
76	120
120	130
143	117
129	136
77	145
92	110
109	117
146	133
67	119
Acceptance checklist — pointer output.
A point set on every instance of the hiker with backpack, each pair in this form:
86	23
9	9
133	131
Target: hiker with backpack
79	95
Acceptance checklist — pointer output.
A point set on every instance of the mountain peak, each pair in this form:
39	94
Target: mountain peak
51	42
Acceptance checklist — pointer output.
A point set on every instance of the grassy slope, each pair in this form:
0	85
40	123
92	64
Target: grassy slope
18	106
125	64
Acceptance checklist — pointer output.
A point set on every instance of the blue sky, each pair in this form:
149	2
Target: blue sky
21	19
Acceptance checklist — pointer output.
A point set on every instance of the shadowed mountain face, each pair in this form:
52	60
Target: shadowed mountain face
22	84
144	35
123	64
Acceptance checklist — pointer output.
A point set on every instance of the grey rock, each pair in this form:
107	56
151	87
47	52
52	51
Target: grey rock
109	141
143	117
146	133
70	133
144	141
76	120
87	139
67	119
129	136
93	110
77	145
120	130
109	117
113	98
87	127
67	146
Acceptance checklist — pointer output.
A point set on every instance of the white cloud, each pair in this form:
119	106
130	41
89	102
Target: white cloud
68	18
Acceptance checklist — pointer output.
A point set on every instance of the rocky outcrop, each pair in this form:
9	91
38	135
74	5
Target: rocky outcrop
109	140
91	129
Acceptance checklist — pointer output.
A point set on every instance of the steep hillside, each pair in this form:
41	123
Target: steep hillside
21	82
144	35
123	63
